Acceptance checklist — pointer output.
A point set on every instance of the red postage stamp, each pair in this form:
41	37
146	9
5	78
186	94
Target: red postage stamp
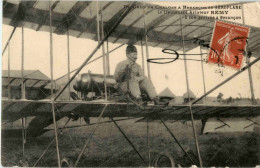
228	44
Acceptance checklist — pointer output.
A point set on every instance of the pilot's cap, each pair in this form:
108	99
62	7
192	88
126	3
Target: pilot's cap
131	49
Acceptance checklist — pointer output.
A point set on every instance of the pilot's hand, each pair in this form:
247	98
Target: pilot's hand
130	63
138	78
127	72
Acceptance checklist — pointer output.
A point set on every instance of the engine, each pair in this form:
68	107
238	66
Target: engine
94	83
84	82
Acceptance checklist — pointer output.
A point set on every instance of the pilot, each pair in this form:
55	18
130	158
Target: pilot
130	78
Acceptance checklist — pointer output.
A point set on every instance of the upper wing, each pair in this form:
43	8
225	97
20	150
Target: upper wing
80	18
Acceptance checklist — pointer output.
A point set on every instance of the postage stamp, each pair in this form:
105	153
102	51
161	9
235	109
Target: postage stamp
228	44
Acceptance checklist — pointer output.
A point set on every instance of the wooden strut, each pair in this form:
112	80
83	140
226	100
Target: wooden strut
187	84
107	58
176	140
128	140
68	47
253	123
203	75
103	51
107	63
226	80
96	49
142	51
23	94
146	45
91	134
219	148
9	67
24	134
224	124
249	69
185	61
52	95
22	68
148	142
195	137
7	43
44	152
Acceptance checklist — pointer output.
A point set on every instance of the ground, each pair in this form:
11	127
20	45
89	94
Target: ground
108	147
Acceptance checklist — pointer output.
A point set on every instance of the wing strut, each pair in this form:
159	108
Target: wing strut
203	74
7	43
44	152
68	52
19	16
146	45
187	85
142	51
23	94
248	62
103	47
253	123
9	80
52	84
148	142
176	140
91	134
224	124
226	80
128	140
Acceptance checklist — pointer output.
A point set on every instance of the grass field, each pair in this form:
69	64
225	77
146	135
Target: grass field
108	148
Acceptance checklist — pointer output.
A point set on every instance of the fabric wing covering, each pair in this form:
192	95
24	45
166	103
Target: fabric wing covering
79	17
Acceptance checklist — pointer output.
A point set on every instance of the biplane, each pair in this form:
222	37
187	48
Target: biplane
89	94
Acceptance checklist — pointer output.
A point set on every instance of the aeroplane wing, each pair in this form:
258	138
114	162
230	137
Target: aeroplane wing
23	108
79	17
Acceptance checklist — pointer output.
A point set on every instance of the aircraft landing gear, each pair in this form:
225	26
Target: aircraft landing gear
164	160
66	162
22	163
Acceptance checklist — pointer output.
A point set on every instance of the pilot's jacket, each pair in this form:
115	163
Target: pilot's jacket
134	74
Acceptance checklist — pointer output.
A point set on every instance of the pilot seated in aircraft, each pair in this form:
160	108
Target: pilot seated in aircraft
130	78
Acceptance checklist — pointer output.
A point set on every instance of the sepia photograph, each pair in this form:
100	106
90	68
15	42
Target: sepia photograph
130	83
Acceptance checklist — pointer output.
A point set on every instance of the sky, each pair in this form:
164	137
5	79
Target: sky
167	75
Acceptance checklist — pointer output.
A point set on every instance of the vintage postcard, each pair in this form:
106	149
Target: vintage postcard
130	84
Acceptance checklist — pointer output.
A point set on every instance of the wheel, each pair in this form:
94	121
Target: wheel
164	160
66	162
22	163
